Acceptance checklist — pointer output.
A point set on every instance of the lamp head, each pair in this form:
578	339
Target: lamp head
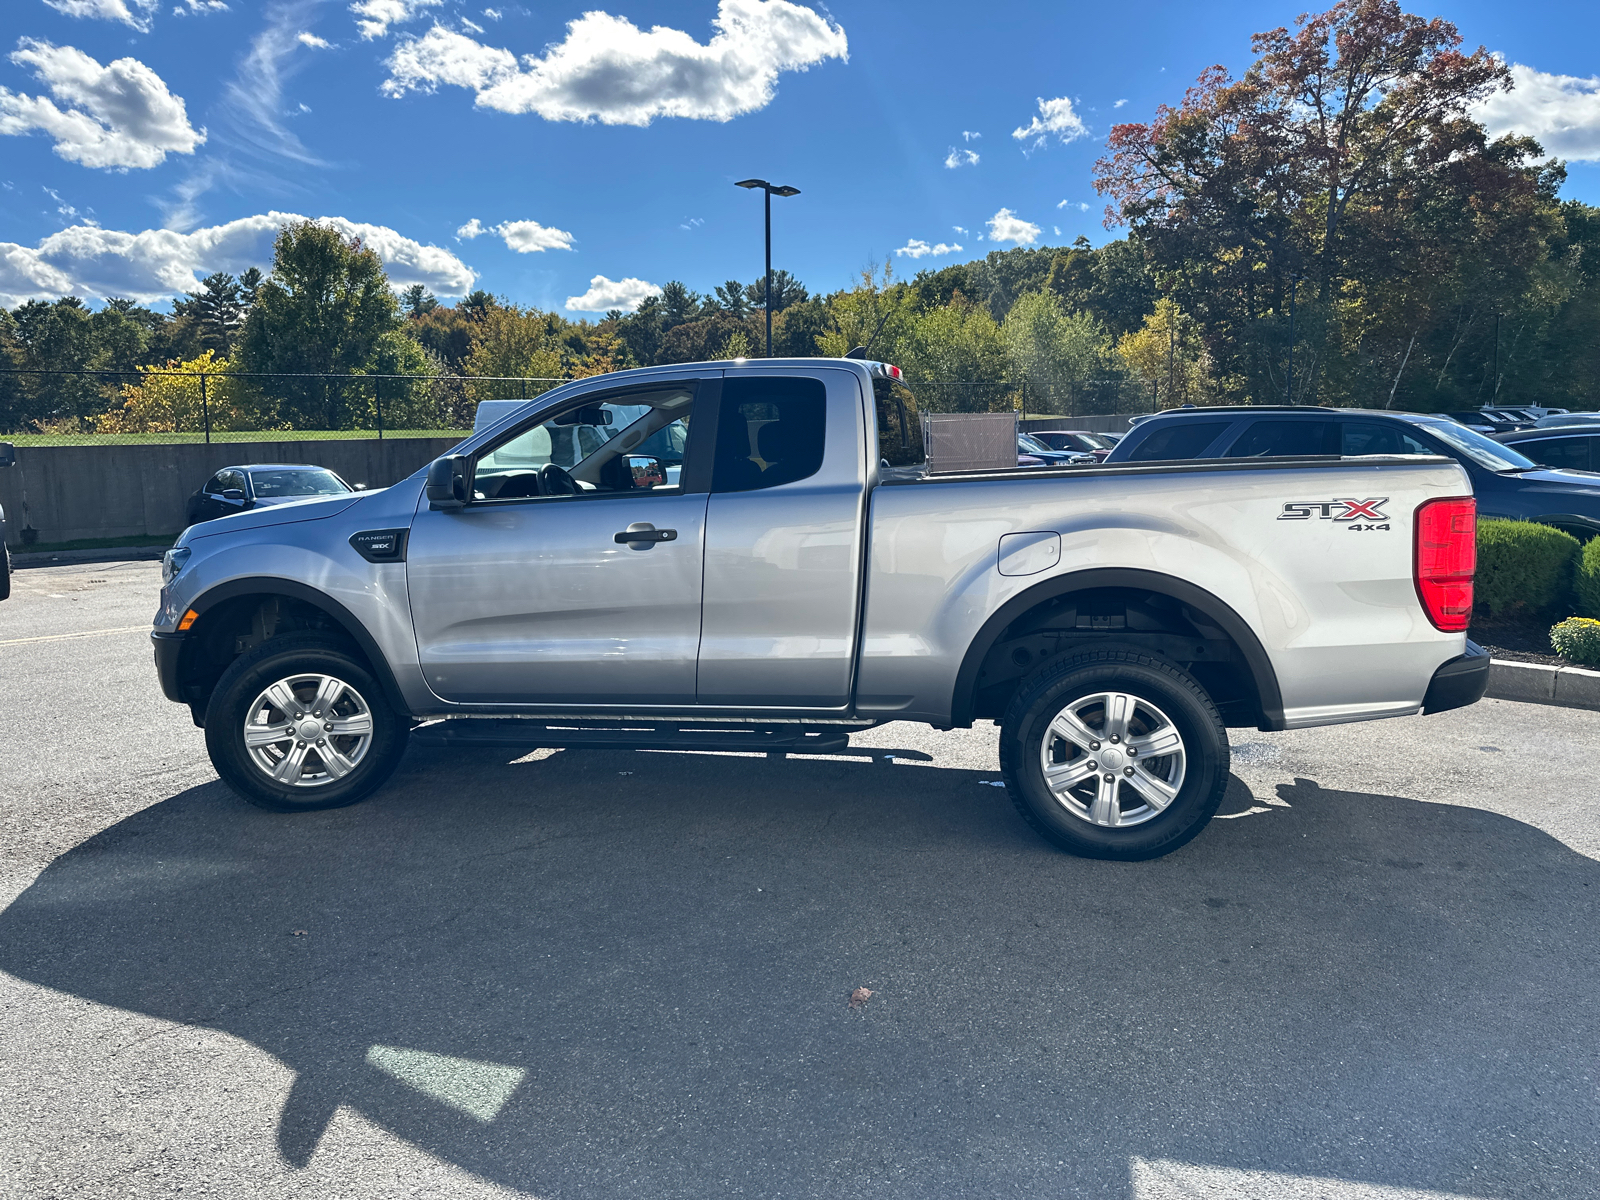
752	183
785	190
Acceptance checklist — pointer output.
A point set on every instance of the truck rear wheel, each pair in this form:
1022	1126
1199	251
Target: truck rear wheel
1114	754
299	723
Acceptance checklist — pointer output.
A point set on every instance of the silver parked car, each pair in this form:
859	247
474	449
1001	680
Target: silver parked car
550	582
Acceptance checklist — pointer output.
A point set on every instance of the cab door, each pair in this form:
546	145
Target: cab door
552	600
784	529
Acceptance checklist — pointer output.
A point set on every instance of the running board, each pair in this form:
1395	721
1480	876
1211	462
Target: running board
524	734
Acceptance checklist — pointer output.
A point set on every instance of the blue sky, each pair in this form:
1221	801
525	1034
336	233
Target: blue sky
571	161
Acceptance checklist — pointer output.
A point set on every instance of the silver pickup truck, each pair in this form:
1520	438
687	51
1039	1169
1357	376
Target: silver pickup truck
798	575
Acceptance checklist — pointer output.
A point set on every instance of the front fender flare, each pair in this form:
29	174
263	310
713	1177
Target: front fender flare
267	585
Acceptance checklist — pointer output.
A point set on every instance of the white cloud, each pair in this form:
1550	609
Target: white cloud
605	294
959	229
373	17
968	135
1119	104
197	7
494	14
1077	204
117	116
1562	111
917	248
610	70
312	40
1057	228
960	158
1054	117
109	10
530	237
160	263
1006	226
692	223
473	228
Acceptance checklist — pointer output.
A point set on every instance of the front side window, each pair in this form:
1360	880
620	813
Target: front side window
1179	439
1379	437
591	448
233	481
769	432
1568	453
214	485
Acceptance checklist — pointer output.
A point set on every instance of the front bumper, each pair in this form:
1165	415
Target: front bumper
168	646
1459	682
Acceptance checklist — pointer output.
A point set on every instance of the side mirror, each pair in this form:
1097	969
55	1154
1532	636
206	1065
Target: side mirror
8	455
646	470
359	487
447	482
234	494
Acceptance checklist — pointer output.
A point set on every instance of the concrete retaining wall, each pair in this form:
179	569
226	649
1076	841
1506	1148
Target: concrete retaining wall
69	493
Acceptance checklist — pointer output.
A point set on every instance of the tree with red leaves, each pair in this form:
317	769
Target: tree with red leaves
1344	164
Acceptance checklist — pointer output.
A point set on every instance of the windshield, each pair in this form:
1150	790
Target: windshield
1490	455
1026	441
1097	441
271	485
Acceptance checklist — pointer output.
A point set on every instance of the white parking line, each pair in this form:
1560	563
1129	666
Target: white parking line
62	637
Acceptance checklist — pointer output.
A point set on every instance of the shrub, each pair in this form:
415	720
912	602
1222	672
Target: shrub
1577	639
1523	566
1587	585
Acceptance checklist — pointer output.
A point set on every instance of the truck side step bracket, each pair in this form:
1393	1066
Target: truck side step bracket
516	733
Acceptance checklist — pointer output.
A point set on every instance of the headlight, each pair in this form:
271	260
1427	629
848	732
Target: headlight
172	563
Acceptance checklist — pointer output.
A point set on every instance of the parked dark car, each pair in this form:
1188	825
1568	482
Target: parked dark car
1506	482
1031	447
1077	441
1491	422
1566	447
236	489
7	457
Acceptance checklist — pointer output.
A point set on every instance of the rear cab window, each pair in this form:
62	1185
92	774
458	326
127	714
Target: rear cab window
1291	437
1178	439
900	439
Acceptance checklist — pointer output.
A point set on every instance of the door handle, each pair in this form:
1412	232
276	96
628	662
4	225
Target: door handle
643	536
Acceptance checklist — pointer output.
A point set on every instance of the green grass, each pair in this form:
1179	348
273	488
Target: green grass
219	437
138	541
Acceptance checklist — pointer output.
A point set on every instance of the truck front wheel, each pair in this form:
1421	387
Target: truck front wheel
299	723
1114	754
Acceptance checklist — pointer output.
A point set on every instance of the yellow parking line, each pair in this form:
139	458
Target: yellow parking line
61	637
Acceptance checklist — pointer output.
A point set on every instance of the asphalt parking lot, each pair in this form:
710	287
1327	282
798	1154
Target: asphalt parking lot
605	974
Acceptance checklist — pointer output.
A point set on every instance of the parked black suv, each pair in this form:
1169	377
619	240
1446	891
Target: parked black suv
1507	483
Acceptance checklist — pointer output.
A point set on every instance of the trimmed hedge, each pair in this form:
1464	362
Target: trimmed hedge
1525	566
1586	587
1578	639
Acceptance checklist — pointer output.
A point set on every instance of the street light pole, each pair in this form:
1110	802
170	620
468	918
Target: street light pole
770	190
1288	383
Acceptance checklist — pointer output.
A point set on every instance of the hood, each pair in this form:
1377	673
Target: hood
285	512
1552	479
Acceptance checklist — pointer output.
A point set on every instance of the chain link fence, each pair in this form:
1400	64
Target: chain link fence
92	407
98	407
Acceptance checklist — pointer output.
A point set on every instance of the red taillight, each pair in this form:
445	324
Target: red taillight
1447	553
892	372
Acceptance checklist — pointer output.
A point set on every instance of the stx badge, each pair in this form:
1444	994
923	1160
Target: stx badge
1357	512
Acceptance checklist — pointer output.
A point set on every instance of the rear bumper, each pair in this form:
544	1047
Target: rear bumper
168	647
1459	682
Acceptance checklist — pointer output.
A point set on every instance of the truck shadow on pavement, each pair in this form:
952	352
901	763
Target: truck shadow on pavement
627	974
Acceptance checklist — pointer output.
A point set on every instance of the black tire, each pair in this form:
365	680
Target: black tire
1166	691
5	572
289	657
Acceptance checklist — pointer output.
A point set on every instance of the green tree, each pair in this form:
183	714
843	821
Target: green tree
216	313
325	308
1053	351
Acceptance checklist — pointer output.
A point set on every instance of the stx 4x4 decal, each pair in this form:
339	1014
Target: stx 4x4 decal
1361	515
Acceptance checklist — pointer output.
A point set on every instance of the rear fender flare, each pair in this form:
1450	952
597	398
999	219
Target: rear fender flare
1255	655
